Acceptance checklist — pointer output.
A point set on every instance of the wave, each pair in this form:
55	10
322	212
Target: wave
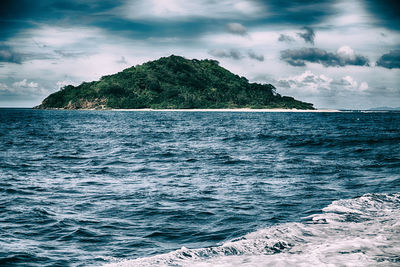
363	231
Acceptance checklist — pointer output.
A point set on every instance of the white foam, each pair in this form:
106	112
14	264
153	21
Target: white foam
364	231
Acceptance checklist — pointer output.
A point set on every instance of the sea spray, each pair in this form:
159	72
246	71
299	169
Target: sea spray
364	231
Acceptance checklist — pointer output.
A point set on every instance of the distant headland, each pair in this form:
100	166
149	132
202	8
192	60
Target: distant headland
172	83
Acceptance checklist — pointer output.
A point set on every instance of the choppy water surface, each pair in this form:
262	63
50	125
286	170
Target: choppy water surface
81	188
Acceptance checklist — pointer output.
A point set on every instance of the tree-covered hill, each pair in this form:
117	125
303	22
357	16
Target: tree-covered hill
171	83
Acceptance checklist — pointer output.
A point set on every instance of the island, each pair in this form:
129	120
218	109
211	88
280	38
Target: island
172	82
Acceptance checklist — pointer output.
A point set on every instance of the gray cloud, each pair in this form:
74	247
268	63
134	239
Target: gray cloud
285	38
299	57
283	83
122	60
68	54
8	55
234	54
236	28
308	36
390	60
255	56
386	12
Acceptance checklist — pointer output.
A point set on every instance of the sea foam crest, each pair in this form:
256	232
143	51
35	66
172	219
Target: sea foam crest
363	231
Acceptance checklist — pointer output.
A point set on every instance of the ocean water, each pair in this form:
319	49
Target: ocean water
116	188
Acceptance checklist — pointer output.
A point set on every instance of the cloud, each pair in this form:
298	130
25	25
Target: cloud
68	54
8	55
181	10
363	86
308	36
232	53
122	60
390	60
3	87
23	88
236	28
255	56
235	54
306	83
311	84
24	83
344	56
347	81
346	52
305	12
60	37
386	12
285	38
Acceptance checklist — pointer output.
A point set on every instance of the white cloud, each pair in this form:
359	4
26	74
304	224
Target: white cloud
23	88
254	40
24	83
350	13
307	83
363	86
183	9
3	87
61	84
349	82
55	36
346	52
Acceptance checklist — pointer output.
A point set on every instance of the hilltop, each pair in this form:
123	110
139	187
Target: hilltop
171	83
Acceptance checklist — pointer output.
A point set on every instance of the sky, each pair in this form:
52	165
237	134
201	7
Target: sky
334	54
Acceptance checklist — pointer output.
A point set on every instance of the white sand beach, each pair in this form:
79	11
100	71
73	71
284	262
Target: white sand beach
232	110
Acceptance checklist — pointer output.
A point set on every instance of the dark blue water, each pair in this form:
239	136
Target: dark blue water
81	188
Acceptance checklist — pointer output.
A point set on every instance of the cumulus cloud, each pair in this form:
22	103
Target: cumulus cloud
232	53
3	87
344	56
236	28
8	55
306	83
285	38
311	84
255	56
22	88
308	36
390	60
348	83
24	83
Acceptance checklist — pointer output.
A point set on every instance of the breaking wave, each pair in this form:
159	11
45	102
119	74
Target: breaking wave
364	231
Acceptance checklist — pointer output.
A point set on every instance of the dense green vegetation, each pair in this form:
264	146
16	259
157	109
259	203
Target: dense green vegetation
171	82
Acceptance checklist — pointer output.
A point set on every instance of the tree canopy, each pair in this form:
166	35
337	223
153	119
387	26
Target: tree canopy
171	83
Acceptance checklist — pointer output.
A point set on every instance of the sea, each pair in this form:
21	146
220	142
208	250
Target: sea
153	188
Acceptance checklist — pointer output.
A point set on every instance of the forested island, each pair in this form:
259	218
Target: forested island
171	83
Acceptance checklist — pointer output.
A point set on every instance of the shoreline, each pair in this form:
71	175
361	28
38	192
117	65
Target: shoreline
209	110
212	110
231	110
